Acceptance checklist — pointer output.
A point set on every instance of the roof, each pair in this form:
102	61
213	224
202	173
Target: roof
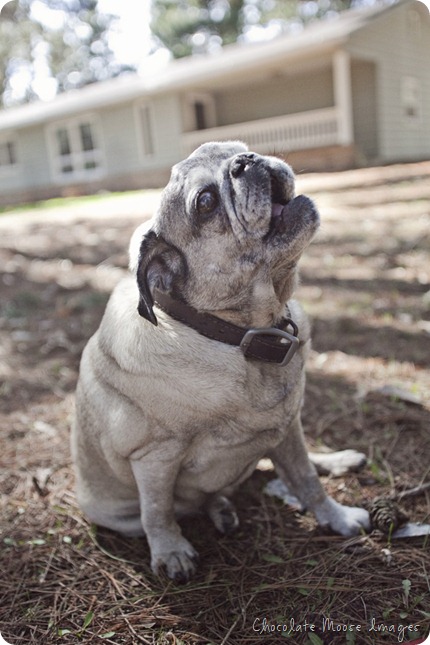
321	36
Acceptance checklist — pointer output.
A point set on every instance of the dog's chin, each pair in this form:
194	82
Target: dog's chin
295	218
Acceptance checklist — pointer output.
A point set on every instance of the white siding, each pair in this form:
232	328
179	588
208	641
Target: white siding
166	110
399	49
119	139
122	163
124	148
365	115
32	168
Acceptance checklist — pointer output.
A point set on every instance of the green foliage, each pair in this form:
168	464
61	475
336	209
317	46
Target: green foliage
198	26
269	557
67	39
187	27
314	639
406	585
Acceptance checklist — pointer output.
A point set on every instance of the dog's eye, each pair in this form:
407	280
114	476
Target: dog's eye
207	201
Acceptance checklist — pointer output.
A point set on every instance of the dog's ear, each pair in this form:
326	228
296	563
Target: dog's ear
160	265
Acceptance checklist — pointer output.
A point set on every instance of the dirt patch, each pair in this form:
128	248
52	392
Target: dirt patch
365	283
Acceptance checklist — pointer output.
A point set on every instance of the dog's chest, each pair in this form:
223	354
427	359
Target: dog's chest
222	456
226	449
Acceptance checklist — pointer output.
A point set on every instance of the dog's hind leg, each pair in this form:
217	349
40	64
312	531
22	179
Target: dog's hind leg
223	514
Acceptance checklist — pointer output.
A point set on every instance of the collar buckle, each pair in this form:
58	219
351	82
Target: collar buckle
273	331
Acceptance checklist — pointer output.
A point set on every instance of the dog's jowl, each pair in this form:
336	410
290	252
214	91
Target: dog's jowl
197	369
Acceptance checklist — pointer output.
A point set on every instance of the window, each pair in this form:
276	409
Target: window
8	156
200	116
64	150
146	130
200	113
87	138
76	149
411	98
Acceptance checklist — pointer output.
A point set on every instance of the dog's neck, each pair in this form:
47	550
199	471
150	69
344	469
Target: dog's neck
276	344
251	317
265	305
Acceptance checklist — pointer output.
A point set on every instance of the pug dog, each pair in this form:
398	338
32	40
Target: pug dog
197	369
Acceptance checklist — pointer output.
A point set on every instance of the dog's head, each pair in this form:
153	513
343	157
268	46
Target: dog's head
227	236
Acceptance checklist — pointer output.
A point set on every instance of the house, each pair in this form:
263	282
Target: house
349	91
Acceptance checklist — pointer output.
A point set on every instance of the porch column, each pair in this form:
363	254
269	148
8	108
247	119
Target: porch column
343	96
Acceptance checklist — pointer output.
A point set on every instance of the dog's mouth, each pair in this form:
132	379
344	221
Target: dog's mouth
280	197
290	215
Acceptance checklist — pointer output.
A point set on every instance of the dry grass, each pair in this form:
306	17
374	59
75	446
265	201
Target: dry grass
366	284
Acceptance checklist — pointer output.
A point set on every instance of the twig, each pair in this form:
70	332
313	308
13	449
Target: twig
411	492
133	631
42	577
105	551
233	626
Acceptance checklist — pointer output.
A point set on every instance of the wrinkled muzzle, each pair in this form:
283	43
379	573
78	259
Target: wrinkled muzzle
258	189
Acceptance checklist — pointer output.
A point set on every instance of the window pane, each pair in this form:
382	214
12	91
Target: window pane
11	150
7	154
411	97
63	141
87	138
3	155
67	168
146	124
200	115
76	149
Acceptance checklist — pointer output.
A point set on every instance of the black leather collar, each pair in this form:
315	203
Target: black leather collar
269	344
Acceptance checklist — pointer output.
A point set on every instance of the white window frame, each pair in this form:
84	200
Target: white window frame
77	157
147	149
411	100
10	168
210	110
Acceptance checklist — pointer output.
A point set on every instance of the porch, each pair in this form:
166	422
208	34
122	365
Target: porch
317	105
276	135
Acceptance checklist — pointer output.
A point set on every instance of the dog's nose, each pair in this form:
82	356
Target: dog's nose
241	162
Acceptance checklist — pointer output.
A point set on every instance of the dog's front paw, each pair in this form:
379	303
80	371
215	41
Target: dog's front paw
345	520
179	563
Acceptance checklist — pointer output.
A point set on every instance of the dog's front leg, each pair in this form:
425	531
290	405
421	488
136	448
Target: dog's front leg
155	474
299	474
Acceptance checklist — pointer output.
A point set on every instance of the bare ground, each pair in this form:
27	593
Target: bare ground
365	284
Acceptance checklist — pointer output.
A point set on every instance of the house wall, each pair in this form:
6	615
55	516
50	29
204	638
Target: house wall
280	95
168	129
364	108
32	169
389	62
399	44
124	165
119	139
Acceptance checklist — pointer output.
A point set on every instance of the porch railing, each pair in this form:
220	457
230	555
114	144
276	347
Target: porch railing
312	129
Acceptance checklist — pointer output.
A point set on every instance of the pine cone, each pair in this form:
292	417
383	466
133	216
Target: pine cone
386	515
